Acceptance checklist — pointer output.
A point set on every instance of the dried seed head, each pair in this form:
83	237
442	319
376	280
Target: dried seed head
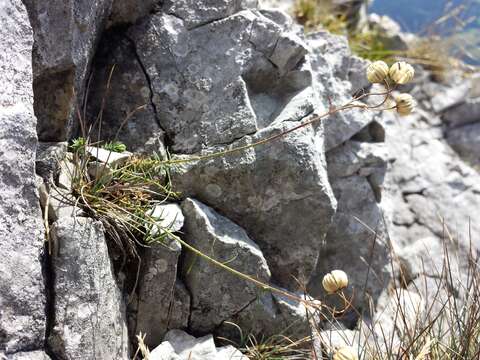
401	72
334	281
345	353
377	72
405	104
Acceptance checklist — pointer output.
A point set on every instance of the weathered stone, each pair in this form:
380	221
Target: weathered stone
269	315
48	159
356	242
466	113
66	174
111	158
66	34
331	63
266	190
31	355
156	290
87	298
166	217
129	11
197	13
450	97
124	98
180	307
60	203
178	345
216	293
465	140
22	292
428	186
356	158
216	83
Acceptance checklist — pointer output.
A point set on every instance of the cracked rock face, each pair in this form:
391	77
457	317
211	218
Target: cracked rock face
89	312
66	33
220	81
216	294
22	292
236	80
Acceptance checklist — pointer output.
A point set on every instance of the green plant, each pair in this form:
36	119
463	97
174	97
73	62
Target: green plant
116	146
78	144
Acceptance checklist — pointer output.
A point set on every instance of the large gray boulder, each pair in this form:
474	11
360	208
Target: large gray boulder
217	294
66	34
233	81
89	311
22	290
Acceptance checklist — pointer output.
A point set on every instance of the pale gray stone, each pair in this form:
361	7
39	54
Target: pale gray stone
22	290
216	83
48	159
166	217
333	66
156	290
30	355
179	345
216	293
111	158
466	113
87	299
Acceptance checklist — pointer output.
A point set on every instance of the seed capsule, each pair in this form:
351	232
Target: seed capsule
334	281
345	353
377	72
401	72
405	104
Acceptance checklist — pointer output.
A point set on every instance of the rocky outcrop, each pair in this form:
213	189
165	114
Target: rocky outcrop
216	294
22	290
89	312
259	86
66	34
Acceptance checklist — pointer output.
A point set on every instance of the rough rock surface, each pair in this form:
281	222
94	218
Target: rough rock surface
66	34
216	294
156	291
22	292
178	345
268	315
89	319
124	102
220	82
338	75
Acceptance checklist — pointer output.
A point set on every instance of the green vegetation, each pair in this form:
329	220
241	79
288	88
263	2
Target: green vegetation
116	146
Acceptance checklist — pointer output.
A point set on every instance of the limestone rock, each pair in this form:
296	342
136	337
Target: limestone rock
156	291
48	159
22	290
333	67
128	114
66	34
87	298
465	140
111	158
30	355
216	83
268	315
166	217
216	293
178	345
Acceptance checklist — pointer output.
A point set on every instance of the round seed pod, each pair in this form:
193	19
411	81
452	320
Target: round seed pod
334	281
401	72
345	353
377	72
405	104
